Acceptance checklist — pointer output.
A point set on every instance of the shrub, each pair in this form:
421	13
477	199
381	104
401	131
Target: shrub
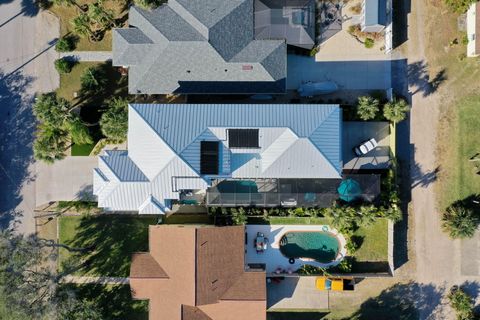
356	9
93	80
148	4
459	6
351	246
307	270
369	43
345	265
462	303
63	66
65	44
464	38
459	222
367	108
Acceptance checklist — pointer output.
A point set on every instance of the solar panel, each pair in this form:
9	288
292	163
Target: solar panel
243	138
209	157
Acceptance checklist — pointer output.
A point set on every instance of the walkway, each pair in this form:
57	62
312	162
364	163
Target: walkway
86	56
95	280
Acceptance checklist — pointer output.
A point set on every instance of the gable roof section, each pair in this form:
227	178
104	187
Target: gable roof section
145	266
165	46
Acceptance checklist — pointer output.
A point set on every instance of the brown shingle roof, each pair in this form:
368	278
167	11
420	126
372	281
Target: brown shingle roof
249	286
205	275
193	313
220	261
145	266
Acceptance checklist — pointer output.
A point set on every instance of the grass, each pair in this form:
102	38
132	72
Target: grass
67	14
462	180
112	238
113	301
82	149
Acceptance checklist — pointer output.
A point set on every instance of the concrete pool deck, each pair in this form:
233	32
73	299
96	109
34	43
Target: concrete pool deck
273	258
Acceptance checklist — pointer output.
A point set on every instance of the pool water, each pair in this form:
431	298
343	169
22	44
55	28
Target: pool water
320	246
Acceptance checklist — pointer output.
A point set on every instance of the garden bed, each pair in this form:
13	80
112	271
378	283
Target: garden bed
67	13
111	239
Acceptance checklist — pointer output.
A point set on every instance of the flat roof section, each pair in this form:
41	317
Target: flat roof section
357	132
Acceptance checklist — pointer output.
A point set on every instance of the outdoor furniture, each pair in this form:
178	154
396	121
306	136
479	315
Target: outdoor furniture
260	243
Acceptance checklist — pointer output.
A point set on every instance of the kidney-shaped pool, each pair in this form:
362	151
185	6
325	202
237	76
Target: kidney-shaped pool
317	245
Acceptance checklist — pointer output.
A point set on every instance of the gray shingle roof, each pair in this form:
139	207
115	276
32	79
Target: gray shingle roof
195	46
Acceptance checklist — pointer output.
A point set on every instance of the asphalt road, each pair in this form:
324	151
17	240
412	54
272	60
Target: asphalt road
26	46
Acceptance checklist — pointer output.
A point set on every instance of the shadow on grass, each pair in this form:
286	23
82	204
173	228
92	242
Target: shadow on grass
114	239
401	301
113	301
289	315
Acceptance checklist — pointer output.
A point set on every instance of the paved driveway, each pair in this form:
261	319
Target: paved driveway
296	293
26	67
349	75
68	179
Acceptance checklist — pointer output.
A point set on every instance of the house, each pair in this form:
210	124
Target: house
473	30
199	47
198	273
374	15
293	20
262	155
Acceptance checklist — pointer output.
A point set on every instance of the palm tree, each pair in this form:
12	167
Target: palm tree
78	131
396	110
114	121
50	144
51	110
93	80
102	17
459	222
367	107
81	26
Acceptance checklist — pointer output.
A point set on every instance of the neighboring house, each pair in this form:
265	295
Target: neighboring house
176	151
293	20
374	15
473	30
198	273
199	47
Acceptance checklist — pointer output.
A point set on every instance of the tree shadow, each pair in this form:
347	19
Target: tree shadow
114	239
17	127
419	77
402	301
471	202
113	301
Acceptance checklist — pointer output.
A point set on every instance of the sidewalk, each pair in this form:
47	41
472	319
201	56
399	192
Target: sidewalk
86	56
95	280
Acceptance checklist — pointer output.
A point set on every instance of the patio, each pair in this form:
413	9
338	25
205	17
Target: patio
272	257
336	43
296	293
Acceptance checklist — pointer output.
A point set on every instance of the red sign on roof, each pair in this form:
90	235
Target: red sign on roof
247	67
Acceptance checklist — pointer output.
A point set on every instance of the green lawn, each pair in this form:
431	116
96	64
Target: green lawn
113	301
111	239
462	179
82	149
67	13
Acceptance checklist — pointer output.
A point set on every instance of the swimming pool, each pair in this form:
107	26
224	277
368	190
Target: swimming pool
317	245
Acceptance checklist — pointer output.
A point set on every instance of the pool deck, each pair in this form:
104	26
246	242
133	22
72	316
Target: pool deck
273	258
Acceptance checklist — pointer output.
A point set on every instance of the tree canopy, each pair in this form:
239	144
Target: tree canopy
396	110
114	121
460	222
29	288
367	107
57	126
93	80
